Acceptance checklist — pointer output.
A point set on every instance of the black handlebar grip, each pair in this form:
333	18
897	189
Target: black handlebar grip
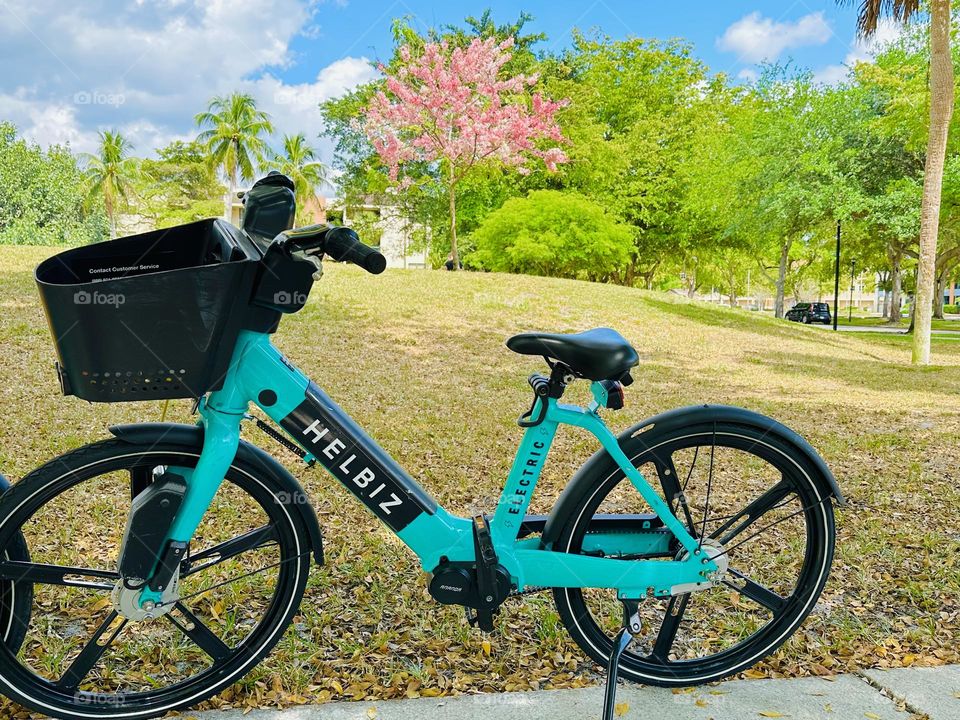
342	243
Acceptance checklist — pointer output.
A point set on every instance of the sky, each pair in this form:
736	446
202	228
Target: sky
146	67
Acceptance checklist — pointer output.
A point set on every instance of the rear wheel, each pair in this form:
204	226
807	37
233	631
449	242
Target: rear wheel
736	487
84	655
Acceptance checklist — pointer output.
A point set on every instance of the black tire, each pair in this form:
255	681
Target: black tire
806	319
670	657
16	599
236	646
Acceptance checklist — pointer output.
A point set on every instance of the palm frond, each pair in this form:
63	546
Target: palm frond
870	12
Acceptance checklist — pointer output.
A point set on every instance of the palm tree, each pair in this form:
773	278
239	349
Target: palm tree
110	173
298	161
233	134
941	109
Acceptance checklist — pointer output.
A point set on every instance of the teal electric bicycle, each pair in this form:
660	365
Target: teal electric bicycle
147	572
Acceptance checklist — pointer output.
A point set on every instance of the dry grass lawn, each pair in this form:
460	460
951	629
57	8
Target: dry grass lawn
419	359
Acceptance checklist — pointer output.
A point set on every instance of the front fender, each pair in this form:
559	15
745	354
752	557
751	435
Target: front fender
581	482
251	455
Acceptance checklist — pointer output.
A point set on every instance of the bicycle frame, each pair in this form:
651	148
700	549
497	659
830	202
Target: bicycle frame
260	374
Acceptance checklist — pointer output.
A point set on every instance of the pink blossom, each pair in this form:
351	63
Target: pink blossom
454	105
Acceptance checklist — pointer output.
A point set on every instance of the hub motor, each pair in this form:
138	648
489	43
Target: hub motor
126	601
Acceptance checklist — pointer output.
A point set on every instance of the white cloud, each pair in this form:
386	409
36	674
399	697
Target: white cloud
147	68
294	108
749	75
861	50
755	38
831	74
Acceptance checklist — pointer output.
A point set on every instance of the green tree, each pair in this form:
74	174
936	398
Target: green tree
110	174
179	186
768	178
940	112
42	198
233	133
634	106
552	233
298	160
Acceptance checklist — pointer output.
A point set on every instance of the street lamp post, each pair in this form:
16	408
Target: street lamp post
836	282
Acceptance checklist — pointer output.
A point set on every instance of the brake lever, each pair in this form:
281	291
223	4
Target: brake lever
316	259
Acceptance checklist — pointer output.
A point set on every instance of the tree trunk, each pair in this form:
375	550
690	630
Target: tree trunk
454	252
111	215
231	190
896	291
781	279
941	108
938	290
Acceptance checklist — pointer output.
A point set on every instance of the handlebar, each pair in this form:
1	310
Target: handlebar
340	243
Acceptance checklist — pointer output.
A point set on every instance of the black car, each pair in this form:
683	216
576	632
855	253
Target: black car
810	313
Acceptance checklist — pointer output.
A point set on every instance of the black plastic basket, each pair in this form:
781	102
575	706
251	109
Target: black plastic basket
151	316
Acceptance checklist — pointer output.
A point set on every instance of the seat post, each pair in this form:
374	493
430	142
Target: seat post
560	377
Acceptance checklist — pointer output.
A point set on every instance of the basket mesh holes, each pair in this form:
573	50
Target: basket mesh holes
162	382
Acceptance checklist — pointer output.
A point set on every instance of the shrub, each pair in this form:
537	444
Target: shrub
552	233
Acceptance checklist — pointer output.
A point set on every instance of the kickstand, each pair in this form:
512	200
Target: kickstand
631	624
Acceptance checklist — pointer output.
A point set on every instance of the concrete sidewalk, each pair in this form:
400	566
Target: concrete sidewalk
875	695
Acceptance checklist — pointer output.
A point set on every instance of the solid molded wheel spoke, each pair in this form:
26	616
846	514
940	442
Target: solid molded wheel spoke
756	592
752	512
672	492
20	571
193	628
676	607
92	652
261	537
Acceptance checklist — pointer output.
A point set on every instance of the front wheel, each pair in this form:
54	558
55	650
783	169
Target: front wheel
86	654
738	488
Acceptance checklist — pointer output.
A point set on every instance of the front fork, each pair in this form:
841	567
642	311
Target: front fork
221	438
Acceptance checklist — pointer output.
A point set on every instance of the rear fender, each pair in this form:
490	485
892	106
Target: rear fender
251	455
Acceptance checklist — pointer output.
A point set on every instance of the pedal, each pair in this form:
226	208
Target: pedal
631	625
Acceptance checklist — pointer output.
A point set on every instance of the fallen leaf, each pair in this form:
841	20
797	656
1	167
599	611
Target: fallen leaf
771	714
620	709
372	712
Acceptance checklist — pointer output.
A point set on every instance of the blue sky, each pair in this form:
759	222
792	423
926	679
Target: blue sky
364	27
146	67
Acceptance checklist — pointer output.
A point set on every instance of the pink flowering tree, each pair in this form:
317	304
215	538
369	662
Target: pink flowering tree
454	107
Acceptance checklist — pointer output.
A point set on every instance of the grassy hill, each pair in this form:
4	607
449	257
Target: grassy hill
418	358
